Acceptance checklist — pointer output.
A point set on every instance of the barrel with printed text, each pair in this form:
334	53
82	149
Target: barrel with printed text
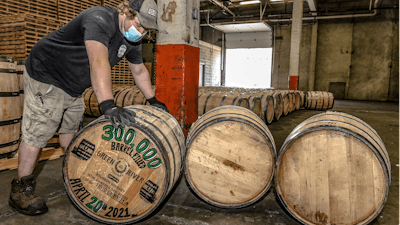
333	168
230	157
122	175
10	108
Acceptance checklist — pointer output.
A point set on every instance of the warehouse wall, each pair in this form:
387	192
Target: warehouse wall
210	57
280	70
211	35
359	55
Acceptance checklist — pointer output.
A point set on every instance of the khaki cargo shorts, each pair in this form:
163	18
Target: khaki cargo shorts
47	109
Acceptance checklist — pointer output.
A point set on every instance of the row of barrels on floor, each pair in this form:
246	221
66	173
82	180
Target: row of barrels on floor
333	168
268	104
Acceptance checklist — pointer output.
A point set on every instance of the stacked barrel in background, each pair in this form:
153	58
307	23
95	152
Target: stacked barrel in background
319	100
268	104
20	66
10	107
123	95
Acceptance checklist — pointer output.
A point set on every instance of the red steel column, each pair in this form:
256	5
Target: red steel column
177	81
178	59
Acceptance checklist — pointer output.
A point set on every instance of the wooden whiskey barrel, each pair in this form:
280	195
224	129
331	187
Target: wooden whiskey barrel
121	176
254	103
20	72
127	97
267	104
203	98
256	106
214	101
285	103
236	99
302	99
7	63
297	100
92	105
257	95
319	100
278	105
10	108
230	157
292	101
333	168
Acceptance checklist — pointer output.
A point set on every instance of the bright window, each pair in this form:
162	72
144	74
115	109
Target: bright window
248	67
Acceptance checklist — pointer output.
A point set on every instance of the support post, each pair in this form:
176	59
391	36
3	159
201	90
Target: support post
178	59
313	56
295	44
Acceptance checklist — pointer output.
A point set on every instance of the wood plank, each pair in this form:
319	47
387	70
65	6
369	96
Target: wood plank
47	154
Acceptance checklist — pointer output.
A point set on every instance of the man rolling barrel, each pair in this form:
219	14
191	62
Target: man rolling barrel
61	66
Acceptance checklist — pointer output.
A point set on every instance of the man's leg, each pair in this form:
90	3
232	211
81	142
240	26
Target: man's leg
22	196
41	117
27	159
65	139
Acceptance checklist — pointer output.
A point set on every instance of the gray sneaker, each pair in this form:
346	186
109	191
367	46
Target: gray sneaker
23	198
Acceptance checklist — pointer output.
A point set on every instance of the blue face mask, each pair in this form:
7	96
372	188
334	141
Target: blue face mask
132	34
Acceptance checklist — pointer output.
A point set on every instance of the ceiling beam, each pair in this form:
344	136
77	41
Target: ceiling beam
312	4
218	3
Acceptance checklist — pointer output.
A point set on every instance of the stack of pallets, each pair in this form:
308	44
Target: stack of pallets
43	8
24	22
112	3
67	9
121	73
18	33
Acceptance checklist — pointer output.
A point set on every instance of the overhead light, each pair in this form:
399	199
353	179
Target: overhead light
249	2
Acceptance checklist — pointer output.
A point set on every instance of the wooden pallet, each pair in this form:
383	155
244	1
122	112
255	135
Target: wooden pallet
67	9
18	33
112	3
47	154
121	73
44	8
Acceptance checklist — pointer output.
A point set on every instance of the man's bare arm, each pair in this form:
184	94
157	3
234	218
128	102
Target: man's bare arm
100	70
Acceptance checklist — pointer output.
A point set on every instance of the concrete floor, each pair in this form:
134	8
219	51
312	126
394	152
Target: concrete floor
184	208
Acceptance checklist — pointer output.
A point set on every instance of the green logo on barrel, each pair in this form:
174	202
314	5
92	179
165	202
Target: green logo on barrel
126	145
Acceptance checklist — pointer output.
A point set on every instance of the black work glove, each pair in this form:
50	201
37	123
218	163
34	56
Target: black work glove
117	114
154	102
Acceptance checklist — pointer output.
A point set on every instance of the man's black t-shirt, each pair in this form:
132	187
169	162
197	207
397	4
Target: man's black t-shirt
60	58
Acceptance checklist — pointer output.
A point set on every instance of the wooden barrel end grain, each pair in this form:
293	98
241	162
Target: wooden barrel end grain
121	176
333	168
230	157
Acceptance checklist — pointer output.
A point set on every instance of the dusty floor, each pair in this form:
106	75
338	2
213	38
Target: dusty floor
184	208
